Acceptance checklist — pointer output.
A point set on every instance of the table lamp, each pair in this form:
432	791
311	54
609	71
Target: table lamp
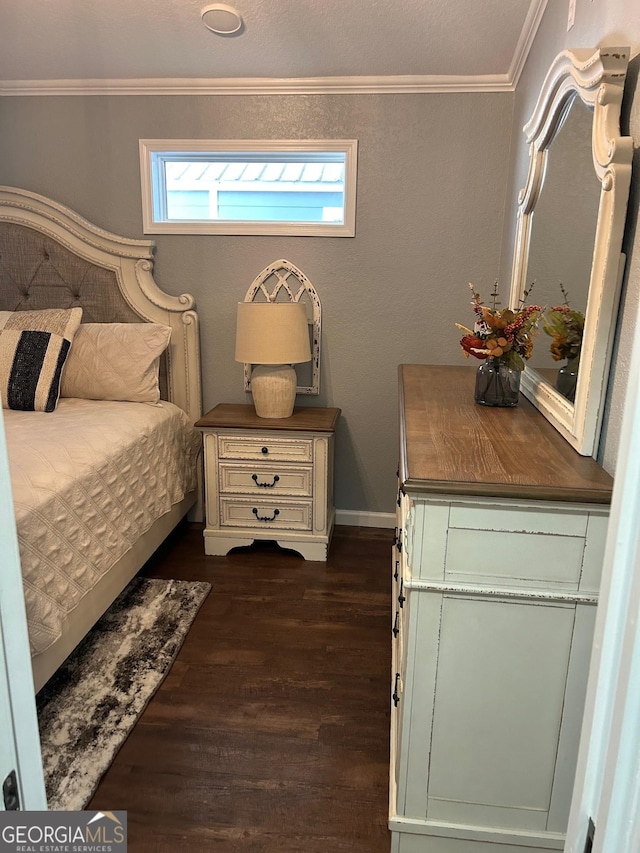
272	336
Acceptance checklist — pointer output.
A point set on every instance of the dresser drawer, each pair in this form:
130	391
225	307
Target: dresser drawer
550	544
265	447
265	479
271	514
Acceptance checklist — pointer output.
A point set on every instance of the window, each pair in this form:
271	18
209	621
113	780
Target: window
294	187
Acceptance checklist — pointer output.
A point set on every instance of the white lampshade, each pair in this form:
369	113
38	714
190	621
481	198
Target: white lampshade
272	333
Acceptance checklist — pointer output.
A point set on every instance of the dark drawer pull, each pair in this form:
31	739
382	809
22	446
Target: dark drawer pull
401	598
396	697
395	574
396	630
399	540
395	537
276	513
254	477
265	450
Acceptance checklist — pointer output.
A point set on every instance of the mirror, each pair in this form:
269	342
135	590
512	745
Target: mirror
569	234
559	263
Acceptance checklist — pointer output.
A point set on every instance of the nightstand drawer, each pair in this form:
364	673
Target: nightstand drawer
265	480
270	514
265	447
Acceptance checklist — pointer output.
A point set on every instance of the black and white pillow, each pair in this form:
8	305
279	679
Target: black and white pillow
33	349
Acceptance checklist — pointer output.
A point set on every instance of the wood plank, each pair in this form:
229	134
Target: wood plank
243	416
451	445
271	732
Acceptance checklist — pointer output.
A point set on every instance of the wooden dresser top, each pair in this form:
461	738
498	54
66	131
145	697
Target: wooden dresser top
451	445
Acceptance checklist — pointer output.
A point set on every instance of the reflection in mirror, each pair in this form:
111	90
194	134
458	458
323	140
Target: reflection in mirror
561	248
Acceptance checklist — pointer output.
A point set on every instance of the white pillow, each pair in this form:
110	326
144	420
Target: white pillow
115	361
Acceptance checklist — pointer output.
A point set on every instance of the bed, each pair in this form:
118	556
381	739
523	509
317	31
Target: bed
98	484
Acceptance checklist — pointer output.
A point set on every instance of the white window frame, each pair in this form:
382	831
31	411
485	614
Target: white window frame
153	224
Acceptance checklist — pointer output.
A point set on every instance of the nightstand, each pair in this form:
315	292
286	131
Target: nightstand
269	479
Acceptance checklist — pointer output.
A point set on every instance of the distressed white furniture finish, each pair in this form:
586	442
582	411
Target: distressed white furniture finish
269	479
496	568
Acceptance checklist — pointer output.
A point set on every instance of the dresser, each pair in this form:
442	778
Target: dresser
496	566
269	478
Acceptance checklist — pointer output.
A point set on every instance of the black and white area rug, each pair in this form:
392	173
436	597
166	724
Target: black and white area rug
91	704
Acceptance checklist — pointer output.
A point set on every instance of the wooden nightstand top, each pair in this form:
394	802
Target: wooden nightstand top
243	416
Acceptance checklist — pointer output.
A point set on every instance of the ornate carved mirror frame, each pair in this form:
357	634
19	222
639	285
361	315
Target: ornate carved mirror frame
598	80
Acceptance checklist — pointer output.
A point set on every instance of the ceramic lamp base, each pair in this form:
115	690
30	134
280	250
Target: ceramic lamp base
274	390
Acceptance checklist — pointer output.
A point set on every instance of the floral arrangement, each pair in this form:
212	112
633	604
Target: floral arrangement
565	327
505	334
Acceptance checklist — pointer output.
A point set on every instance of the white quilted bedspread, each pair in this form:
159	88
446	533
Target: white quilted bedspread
88	480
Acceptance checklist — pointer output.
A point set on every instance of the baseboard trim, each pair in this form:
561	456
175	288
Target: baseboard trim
356	518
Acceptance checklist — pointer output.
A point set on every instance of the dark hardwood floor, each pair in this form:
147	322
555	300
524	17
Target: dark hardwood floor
271	732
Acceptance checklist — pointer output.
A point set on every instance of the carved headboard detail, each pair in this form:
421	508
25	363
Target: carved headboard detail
52	258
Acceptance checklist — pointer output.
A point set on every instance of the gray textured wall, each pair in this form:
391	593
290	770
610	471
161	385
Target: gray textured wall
432	172
613	23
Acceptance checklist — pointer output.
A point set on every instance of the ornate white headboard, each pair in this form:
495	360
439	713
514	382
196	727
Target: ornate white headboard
50	257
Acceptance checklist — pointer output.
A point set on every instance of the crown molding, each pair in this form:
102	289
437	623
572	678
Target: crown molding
527	35
419	84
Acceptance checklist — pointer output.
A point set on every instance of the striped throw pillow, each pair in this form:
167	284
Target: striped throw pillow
33	348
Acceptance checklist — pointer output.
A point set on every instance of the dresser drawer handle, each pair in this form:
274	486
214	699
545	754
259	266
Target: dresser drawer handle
395	574
396	696
401	598
396	629
265	450
276	513
254	477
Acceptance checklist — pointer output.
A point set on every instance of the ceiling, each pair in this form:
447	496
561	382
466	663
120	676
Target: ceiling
349	43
